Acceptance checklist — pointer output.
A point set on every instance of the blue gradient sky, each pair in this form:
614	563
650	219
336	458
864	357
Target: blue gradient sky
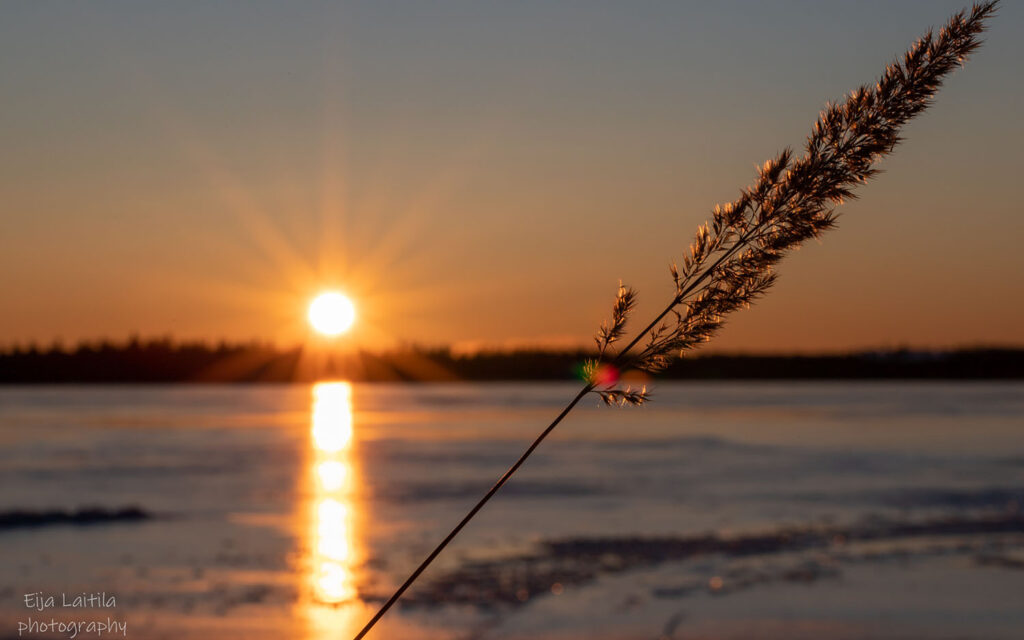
481	173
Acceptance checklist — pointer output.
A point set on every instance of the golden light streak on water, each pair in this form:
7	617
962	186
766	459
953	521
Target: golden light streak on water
334	523
332	417
333	605
333	579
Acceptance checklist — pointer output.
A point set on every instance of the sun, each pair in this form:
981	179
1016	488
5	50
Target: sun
332	313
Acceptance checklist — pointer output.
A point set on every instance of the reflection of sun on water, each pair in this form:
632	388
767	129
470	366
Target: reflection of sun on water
332	534
333	475
332	418
333	553
332	544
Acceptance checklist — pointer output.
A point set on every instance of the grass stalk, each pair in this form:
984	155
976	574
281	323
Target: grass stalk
730	263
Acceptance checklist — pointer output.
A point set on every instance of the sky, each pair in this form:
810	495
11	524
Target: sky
482	174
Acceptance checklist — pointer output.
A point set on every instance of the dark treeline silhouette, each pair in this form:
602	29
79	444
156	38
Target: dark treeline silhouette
163	360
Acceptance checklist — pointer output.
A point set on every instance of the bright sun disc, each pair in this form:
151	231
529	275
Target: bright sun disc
331	313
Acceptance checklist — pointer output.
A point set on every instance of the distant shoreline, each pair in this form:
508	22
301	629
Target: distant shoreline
162	361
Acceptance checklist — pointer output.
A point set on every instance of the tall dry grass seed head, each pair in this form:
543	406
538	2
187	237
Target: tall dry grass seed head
730	261
729	264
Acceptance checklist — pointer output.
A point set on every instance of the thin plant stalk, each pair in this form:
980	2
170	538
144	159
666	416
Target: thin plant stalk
472	512
730	263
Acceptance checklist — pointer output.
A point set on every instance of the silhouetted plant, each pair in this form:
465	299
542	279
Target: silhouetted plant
729	263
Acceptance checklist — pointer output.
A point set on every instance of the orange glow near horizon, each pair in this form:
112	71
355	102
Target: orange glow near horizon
481	229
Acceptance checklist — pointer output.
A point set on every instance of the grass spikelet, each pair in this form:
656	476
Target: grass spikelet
730	262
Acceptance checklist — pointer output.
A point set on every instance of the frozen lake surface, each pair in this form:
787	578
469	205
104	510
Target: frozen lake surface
721	510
